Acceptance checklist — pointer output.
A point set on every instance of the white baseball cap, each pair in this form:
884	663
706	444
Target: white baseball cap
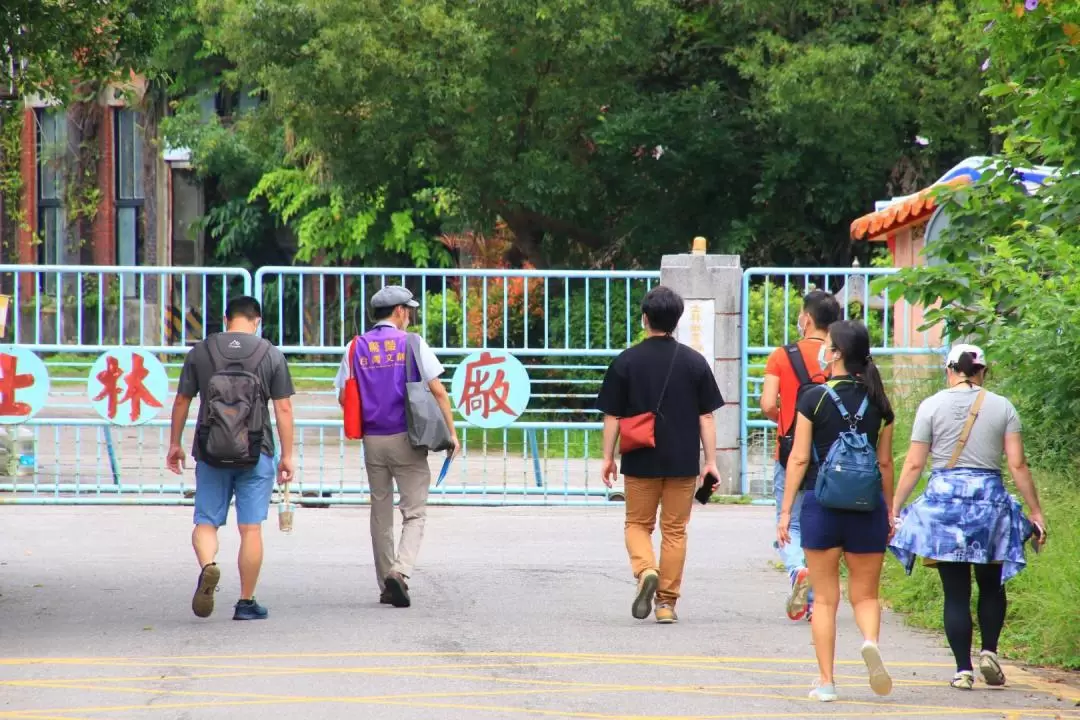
960	349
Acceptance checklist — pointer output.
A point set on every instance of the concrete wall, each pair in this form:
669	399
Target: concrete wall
717	278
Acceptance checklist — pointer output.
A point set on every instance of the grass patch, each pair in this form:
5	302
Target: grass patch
733	500
70	368
550	444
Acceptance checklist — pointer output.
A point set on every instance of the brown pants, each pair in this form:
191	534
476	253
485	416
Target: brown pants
673	497
389	458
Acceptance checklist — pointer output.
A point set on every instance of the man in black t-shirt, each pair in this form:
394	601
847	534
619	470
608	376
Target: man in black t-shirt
660	375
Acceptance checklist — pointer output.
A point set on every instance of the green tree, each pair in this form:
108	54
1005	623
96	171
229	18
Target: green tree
606	132
1009	257
493	100
55	44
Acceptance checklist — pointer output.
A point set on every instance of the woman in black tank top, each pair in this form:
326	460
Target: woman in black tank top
860	535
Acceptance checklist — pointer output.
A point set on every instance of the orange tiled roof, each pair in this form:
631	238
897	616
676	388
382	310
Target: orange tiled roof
911	211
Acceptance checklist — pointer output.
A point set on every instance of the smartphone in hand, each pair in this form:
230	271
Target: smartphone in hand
1039	537
706	490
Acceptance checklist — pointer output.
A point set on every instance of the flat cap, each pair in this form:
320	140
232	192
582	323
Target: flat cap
392	296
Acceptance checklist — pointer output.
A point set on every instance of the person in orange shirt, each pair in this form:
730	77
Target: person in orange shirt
788	370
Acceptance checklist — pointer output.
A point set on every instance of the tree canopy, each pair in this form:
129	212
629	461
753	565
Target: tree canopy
55	43
603	133
1010	256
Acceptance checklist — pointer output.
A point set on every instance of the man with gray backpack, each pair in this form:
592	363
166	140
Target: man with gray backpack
236	374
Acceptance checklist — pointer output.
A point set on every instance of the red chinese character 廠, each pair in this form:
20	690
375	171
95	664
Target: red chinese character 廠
478	394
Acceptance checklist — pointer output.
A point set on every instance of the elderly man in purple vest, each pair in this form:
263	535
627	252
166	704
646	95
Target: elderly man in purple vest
377	359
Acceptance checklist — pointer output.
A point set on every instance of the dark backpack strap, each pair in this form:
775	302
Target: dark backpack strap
251	362
663	390
217	359
795	359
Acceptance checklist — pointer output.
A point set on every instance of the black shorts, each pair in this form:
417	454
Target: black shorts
855	531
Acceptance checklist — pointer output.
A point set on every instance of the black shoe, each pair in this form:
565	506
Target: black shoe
250	610
385	598
202	604
398	590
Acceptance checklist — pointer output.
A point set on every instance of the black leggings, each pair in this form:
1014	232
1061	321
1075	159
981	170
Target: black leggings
956	582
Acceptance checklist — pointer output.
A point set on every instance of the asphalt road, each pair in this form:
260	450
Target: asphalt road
518	612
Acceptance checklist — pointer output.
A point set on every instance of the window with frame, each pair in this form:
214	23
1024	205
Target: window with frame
51	220
128	150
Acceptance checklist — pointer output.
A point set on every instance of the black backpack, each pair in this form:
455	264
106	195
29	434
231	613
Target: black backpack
787	439
231	433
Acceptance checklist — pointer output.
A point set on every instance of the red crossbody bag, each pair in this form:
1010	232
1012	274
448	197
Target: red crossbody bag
638	432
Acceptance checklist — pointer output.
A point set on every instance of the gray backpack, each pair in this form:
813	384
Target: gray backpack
231	433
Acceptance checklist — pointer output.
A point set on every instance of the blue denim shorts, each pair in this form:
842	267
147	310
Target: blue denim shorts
855	531
215	488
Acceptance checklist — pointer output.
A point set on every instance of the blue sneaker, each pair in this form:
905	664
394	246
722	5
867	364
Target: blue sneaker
250	610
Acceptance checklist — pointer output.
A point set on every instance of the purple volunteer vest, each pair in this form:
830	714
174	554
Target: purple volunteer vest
378	364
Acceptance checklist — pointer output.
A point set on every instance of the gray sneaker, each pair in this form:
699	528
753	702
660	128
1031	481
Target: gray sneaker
990	669
202	604
647	583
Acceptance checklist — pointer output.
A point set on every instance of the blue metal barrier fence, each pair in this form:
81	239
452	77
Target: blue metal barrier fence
565	326
910	359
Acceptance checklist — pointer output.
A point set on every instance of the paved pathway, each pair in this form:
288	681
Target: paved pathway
518	613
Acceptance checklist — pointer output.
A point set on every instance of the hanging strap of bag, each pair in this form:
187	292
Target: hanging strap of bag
663	390
802	374
410	359
966	432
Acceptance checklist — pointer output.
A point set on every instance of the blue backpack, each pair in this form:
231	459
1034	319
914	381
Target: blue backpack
849	478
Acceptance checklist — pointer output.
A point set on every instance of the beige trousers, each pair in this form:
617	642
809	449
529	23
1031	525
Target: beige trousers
674	498
389	458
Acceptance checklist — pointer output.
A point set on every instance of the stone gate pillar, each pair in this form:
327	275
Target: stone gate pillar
711	287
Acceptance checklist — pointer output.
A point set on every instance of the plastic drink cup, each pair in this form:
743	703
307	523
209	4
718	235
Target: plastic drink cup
285	516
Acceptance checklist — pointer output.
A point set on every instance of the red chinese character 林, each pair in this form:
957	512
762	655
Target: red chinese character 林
135	391
492	398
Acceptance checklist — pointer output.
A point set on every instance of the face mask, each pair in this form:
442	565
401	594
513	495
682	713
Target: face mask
821	361
643	322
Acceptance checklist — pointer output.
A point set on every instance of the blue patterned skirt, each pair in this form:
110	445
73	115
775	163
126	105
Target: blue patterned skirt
965	515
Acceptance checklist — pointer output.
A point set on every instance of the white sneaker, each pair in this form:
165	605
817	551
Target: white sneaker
824	693
990	669
963	680
880	681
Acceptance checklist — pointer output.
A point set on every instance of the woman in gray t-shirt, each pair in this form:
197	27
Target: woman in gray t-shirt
966	520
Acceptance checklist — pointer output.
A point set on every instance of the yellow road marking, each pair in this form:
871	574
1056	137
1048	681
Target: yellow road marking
438	671
553	687
246	671
158	660
1061	690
